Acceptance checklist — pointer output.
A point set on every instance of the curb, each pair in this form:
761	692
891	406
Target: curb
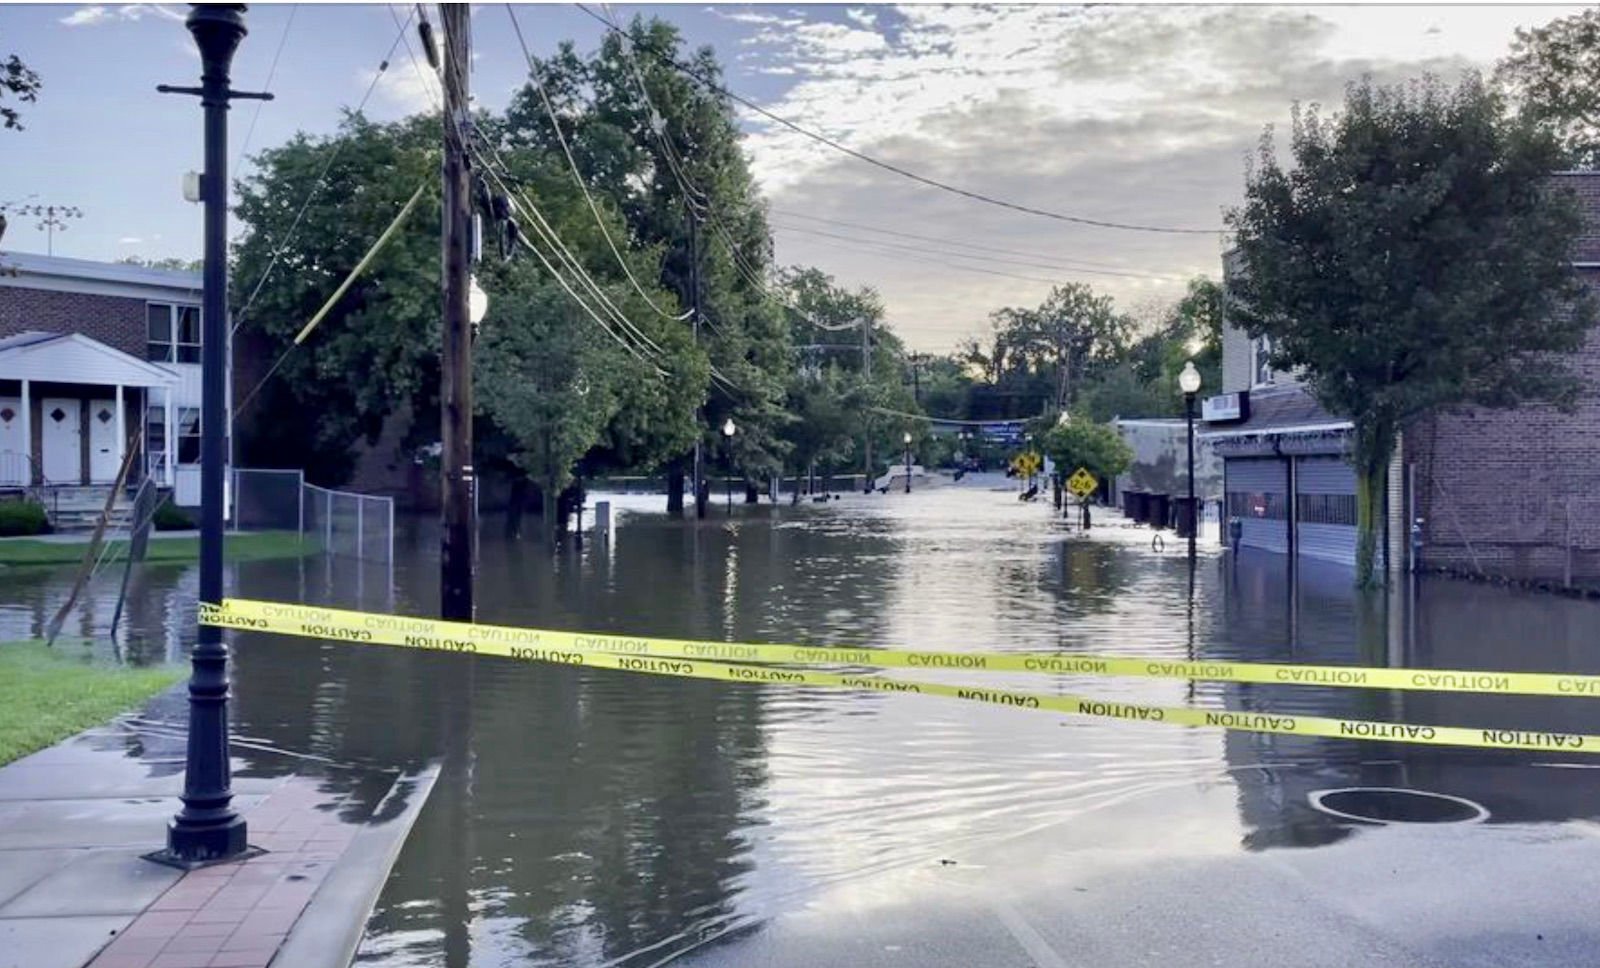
329	932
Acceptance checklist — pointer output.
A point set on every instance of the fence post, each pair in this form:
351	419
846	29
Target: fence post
327	523
1566	571
361	513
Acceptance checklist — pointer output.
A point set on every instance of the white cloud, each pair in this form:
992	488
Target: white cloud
1134	114
87	17
130	240
95	15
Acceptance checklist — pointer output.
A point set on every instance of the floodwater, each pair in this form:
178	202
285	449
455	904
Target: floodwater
591	817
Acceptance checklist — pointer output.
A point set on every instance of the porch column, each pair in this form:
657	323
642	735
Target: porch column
122	430
172	439
27	434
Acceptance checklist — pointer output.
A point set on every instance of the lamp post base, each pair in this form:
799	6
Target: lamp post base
192	846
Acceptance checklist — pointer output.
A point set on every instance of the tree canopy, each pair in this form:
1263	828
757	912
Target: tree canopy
1553	75
20	82
1416	256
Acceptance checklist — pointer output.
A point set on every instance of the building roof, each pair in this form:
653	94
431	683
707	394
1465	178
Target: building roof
32	264
19	340
75	358
1284	418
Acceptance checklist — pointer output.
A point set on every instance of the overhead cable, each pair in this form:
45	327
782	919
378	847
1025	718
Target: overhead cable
1055	260
711	85
316	184
577	176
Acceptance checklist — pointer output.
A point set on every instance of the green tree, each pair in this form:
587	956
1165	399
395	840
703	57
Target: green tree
169	262
378	348
1415	257
18	81
1553	74
663	150
1081	442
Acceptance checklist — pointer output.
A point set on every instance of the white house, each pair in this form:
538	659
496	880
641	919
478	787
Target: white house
97	359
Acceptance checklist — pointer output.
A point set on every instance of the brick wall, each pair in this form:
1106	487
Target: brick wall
1516	493
1586	186
117	321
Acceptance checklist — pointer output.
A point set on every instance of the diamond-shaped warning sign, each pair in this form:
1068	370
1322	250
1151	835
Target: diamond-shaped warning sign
1082	483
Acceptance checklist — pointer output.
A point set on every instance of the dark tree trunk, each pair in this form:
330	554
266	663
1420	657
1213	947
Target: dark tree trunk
514	507
751	494
675	477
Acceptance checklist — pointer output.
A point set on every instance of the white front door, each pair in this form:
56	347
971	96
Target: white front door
13	448
61	438
105	457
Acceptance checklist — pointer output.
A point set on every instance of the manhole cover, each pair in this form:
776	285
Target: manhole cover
1395	805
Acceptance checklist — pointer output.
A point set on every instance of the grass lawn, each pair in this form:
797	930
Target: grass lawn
246	546
48	694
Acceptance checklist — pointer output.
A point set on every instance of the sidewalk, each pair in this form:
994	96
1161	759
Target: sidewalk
76	818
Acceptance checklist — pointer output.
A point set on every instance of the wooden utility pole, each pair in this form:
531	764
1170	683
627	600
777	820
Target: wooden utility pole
866	377
700	495
457	525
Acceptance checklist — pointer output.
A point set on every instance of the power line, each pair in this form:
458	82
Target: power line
697	200
316	185
272	72
553	239
1000	260
577	176
714	87
1072	262
864	245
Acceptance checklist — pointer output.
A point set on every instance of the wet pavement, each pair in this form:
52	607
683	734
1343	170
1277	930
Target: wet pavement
586	817
76	820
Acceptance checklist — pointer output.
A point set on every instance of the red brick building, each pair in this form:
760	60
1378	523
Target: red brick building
1516	493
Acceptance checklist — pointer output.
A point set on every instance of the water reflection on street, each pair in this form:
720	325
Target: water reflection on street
588	817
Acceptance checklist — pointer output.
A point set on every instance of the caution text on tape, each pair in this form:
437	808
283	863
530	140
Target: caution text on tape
343	626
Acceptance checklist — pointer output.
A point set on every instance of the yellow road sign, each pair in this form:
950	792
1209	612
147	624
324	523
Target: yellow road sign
1082	483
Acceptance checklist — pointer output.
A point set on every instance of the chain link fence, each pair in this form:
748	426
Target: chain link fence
339	522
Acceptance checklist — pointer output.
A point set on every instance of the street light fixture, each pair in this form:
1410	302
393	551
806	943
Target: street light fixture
906	438
728	430
208	829
1189	383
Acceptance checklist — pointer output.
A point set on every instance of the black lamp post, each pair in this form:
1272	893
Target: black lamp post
907	439
728	430
207	829
1189	383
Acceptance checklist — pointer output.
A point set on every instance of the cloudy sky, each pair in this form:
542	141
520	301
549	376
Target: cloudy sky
1130	114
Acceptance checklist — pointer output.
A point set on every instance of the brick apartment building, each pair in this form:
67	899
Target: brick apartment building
1510	493
97	359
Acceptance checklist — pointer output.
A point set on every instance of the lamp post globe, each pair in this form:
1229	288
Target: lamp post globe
1189	379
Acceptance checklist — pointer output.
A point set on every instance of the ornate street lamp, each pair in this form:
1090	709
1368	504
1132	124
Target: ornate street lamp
906	438
207	829
1189	383
728	430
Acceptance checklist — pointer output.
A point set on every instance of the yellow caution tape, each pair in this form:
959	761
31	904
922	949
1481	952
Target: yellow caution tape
1360	677
537	646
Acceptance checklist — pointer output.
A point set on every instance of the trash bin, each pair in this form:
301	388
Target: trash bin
1139	506
1159	513
1184	515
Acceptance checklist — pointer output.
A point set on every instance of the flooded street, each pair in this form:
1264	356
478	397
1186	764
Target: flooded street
589	817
